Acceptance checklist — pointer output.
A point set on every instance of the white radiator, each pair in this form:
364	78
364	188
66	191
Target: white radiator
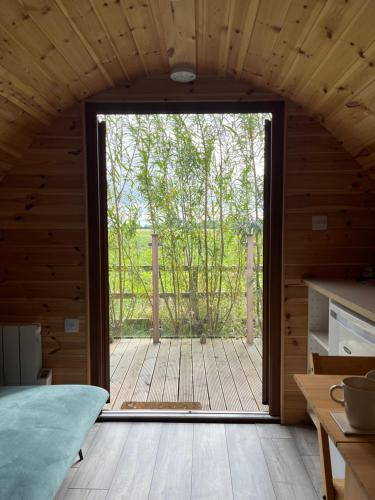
21	355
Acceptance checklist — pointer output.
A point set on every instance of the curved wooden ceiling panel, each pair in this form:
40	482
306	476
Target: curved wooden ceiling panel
318	53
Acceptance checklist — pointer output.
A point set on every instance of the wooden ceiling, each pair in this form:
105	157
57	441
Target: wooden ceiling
318	53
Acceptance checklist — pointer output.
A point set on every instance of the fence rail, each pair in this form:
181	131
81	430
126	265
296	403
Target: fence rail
184	268
155	295
167	295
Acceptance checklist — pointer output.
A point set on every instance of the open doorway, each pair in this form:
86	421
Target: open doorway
184	231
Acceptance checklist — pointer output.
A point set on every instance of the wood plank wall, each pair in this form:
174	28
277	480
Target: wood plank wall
42	230
321	178
42	245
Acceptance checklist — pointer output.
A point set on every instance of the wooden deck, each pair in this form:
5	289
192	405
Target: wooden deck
222	375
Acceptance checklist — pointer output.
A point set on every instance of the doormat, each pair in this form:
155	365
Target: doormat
165	405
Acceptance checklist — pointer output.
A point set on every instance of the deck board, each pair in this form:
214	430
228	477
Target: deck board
173	371
160	372
215	391
252	375
240	380
130	381
232	399
199	375
185	388
116	354
146	373
255	357
259	345
222	375
122	367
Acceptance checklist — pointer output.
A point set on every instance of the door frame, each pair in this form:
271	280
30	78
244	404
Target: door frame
97	249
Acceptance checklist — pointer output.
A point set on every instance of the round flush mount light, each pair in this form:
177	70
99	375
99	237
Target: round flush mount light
183	73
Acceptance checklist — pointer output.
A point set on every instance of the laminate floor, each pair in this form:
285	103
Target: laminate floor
182	461
222	375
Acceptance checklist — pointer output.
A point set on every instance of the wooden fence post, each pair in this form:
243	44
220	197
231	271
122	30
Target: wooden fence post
249	291
155	289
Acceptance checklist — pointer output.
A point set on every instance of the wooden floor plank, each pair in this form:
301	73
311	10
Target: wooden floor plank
306	440
312	464
241	382
152	461
232	400
185	389
173	372
248	466
79	494
287	470
199	375
271	431
135	469
160	372
98	468
250	372
128	385
172	473
211	477
146	373
87	444
215	391
60	495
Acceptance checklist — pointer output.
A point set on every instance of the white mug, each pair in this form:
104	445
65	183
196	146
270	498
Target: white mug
358	401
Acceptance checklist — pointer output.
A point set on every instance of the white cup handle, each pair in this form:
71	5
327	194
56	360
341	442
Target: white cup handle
331	391
370	375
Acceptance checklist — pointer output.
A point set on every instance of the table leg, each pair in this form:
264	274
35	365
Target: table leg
325	464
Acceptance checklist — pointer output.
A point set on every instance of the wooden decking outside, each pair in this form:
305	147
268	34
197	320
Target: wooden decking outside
222	375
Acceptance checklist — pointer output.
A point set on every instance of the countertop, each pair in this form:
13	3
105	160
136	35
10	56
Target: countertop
356	296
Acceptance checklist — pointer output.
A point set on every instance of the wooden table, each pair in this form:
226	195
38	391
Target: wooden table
358	451
335	433
315	388
360	470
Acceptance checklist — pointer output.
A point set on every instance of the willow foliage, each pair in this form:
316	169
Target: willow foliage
195	180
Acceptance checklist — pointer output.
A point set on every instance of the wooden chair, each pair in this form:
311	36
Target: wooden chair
332	365
345	365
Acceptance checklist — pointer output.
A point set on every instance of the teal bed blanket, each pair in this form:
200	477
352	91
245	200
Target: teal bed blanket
42	429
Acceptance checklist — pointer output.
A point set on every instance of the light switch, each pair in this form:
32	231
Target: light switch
71	325
319	223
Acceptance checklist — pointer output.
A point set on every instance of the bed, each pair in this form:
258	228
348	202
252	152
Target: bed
42	429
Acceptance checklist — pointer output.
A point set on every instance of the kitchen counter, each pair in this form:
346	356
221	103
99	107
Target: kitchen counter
359	297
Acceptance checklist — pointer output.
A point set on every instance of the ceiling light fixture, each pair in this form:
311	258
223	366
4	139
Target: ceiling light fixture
183	73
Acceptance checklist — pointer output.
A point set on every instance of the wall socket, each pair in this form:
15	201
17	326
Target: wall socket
71	325
319	223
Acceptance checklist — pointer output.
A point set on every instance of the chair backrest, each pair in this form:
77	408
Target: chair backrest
342	365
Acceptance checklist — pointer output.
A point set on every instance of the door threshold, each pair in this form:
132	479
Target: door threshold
191	416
